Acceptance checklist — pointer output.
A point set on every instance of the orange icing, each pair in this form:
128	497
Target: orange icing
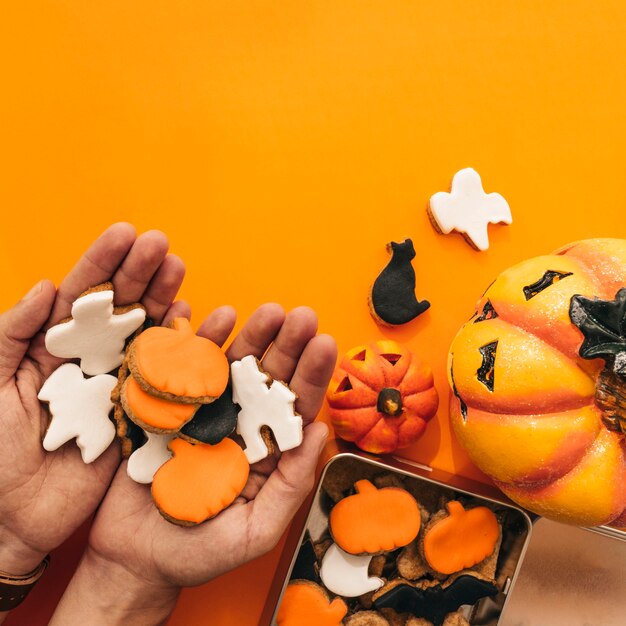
462	539
306	604
161	414
200	480
374	520
177	361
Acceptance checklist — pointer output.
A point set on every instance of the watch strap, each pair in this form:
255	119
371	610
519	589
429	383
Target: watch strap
14	589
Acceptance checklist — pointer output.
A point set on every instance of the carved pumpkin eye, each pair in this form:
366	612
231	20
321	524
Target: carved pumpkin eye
488	313
344	385
485	372
392	358
547	280
359	356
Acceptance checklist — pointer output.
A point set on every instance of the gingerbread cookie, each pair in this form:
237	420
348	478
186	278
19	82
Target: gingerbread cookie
346	574
461	538
97	331
265	403
392	298
468	209
131	436
144	462
306	604
212	422
176	364
375	520
80	409
366	618
199	481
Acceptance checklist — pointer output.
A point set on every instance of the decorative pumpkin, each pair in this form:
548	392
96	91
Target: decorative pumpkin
199	481
306	604
381	397
178	365
374	520
537	375
460	539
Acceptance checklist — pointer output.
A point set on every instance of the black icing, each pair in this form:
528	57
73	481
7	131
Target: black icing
488	313
393	293
486	371
213	422
547	280
457	395
434	603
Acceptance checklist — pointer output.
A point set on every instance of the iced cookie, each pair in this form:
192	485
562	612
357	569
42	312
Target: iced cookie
80	409
461	538
392	298
144	462
375	520
176	364
152	413
265	403
306	604
468	210
199	480
97	331
346	574
212	422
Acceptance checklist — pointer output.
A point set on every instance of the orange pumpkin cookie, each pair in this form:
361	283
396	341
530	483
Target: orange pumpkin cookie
375	520
178	365
306	604
151	413
381	397
537	392
199	481
460	539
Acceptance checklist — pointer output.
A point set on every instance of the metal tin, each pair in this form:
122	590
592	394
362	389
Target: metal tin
314	520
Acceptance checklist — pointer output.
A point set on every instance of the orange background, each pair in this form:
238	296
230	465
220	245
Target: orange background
281	145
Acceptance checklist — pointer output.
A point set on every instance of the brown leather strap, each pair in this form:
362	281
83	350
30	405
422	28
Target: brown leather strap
13	589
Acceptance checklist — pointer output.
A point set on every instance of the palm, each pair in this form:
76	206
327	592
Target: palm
47	495
128	528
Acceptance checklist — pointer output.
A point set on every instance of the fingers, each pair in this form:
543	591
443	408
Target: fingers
20	324
312	375
163	288
97	265
218	325
180	308
257	333
285	490
298	329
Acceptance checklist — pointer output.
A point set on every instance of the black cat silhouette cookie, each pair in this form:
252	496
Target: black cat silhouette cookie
392	298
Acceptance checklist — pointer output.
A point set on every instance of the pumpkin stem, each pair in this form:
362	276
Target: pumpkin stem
364	486
389	401
611	399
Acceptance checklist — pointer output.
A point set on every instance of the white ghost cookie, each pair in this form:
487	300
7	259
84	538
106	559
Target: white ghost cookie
468	209
80	409
346	574
145	461
261	405
96	332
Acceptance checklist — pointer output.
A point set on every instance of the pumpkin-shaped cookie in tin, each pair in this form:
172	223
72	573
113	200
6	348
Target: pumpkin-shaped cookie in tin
381	397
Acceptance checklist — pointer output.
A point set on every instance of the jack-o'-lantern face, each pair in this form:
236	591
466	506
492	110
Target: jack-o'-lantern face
526	405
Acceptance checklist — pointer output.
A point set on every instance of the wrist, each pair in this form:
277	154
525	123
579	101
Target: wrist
17	557
107	593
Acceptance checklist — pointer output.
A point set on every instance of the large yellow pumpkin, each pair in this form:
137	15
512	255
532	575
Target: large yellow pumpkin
538	380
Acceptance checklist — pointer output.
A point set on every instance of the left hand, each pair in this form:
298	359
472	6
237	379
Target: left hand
136	560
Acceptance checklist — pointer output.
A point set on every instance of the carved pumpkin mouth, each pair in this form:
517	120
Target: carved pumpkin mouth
389	402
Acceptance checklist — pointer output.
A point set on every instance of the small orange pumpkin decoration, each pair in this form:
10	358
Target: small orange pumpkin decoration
461	539
178	365
199	481
532	404
374	520
306	604
381	397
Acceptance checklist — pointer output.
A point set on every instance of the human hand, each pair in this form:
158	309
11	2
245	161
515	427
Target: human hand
136	560
45	496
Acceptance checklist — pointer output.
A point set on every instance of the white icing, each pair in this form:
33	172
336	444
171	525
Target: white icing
80	409
145	461
263	406
468	209
346	574
95	334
